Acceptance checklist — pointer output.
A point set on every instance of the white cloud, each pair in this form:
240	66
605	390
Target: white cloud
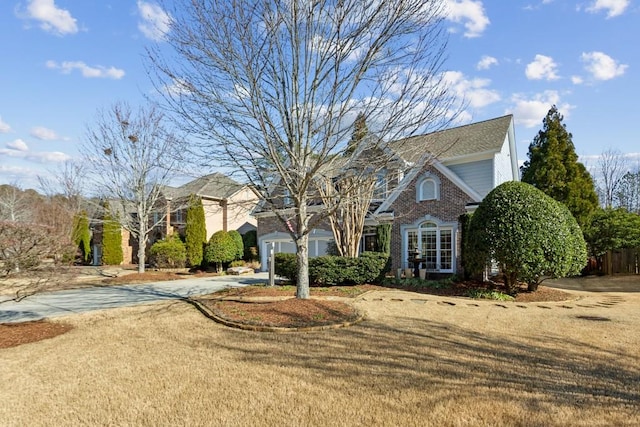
486	62
471	13
18	144
4	127
530	112
52	18
474	91
577	80
602	66
90	72
44	134
542	68
612	7
38	157
155	22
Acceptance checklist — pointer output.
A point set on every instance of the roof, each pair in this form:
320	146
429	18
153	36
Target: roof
214	186
461	141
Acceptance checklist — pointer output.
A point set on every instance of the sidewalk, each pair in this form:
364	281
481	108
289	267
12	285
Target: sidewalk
62	303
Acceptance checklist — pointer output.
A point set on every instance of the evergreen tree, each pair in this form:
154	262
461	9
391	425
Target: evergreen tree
81	235
237	238
553	167
195	231
360	130
220	249
111	240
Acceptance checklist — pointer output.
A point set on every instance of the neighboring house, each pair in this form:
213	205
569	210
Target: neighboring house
439	177
227	206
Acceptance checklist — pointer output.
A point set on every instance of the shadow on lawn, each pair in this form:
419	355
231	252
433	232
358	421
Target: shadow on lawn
423	356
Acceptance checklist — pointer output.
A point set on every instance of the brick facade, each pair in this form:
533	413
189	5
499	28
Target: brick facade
407	210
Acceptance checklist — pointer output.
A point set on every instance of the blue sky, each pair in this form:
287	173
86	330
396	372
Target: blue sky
65	59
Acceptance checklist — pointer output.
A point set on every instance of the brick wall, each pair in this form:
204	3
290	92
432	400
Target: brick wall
448	208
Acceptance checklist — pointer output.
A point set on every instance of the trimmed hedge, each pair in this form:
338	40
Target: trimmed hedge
336	270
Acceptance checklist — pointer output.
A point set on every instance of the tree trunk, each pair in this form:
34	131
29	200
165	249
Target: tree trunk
142	246
302	256
532	286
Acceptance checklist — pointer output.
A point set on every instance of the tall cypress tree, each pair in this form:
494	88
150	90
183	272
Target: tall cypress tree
553	167
111	240
82	235
195	231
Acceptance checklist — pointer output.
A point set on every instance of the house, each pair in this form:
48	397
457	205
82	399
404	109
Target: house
227	206
439	177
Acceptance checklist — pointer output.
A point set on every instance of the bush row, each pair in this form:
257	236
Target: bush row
335	270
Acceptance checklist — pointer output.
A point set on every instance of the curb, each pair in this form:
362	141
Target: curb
258	328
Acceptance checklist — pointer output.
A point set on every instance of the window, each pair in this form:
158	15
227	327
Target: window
435	243
428	189
380	189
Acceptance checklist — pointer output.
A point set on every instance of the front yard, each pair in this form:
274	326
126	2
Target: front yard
417	359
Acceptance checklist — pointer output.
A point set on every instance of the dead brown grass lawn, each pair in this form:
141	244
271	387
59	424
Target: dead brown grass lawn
417	360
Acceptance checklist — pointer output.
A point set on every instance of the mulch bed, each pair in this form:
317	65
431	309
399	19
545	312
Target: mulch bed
14	334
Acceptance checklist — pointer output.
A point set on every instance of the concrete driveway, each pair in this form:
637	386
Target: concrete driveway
61	303
626	283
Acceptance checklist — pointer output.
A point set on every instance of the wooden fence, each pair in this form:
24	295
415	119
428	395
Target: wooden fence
622	261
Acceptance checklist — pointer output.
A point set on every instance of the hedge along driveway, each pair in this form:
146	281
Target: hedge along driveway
61	303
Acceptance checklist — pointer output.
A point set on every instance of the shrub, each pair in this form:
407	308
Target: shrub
237	238
286	266
195	233
168	253
81	234
383	238
220	249
237	263
530	235
336	270
250	244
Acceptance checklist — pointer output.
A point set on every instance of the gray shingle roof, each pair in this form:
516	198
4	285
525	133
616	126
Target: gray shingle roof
215	186
474	138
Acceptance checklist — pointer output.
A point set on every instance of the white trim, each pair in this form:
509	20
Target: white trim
428	177
278	237
440	225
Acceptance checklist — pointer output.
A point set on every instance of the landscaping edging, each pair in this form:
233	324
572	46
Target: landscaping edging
261	328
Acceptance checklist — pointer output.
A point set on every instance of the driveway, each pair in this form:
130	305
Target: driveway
61	303
626	283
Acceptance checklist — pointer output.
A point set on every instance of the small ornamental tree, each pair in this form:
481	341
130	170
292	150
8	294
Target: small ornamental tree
530	236
81	234
220	249
111	241
195	232
237	238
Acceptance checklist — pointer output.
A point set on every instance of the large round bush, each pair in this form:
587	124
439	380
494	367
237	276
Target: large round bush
169	253
530	235
220	249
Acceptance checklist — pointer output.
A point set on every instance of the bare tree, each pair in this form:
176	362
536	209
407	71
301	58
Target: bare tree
628	191
271	88
130	156
14	203
611	168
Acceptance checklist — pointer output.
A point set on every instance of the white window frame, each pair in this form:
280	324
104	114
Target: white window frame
428	179
419	227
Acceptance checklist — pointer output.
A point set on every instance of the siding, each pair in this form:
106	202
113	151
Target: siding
477	175
503	171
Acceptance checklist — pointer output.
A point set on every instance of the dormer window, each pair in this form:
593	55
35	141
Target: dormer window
428	188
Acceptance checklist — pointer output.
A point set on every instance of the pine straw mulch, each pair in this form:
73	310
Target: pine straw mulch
267	306
238	305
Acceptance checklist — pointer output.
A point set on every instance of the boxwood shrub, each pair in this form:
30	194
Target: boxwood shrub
335	270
